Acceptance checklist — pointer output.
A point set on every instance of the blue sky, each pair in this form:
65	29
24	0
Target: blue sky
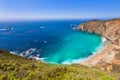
59	8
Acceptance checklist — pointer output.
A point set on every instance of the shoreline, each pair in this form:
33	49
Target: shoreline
102	50
100	54
73	61
106	50
108	58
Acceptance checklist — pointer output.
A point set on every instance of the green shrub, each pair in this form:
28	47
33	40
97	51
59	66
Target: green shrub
14	67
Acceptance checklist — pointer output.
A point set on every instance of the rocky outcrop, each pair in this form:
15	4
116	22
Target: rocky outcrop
110	29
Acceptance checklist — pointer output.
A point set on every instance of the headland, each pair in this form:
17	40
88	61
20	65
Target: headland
109	57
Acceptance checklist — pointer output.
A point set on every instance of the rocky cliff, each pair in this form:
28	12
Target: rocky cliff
109	58
110	29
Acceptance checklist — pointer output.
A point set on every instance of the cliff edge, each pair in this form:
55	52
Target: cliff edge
109	57
110	29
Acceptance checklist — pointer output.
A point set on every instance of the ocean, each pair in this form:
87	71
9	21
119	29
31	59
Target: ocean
52	41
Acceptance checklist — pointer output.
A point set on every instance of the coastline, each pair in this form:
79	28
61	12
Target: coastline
100	51
109	30
105	53
102	55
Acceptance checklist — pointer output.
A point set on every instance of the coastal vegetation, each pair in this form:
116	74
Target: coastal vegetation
13	67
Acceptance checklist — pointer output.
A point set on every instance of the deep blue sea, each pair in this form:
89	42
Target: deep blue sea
53	41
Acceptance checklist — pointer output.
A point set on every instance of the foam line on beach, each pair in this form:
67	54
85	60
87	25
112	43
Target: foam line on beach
97	50
101	46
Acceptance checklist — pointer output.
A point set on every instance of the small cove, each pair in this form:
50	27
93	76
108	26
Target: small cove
53	40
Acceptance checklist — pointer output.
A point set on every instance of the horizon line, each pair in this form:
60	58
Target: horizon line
64	18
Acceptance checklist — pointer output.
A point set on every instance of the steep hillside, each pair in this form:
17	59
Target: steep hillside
110	29
109	57
14	67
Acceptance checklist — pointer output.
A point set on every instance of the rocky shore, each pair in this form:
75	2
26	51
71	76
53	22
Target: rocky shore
109	57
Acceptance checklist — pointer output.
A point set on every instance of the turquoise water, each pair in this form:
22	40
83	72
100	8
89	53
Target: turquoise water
53	40
78	45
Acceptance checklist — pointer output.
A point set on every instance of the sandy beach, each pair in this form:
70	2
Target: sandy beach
106	55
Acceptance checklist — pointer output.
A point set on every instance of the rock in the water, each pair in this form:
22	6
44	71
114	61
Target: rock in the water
8	28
